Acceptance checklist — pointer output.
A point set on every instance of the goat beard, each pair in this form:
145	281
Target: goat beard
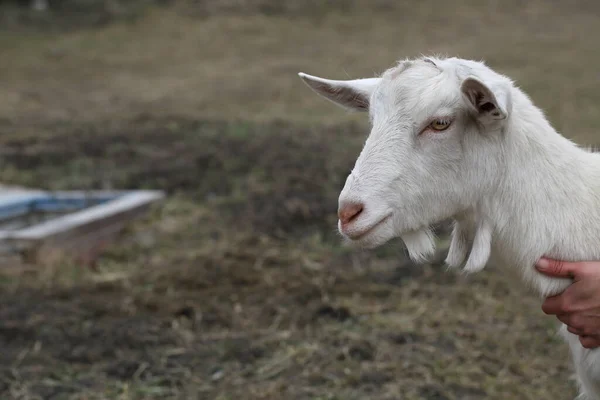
421	244
470	244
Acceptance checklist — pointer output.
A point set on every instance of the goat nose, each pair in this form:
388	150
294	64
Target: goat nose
349	212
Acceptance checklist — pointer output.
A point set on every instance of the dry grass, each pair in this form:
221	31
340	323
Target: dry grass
244	65
238	287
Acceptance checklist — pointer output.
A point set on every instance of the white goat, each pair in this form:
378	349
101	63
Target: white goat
451	138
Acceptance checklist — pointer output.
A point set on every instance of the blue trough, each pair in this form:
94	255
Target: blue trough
34	224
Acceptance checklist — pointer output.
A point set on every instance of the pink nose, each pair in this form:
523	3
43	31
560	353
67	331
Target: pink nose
349	212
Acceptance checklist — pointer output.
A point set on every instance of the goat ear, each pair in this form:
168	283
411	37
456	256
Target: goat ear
352	94
489	103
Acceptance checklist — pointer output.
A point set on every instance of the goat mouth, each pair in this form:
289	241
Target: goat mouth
366	232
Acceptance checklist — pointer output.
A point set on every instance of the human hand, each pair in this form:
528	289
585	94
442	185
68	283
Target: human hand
578	306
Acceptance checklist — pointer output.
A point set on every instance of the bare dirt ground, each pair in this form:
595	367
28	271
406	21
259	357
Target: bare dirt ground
237	287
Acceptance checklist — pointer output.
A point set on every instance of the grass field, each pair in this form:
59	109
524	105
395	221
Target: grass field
238	286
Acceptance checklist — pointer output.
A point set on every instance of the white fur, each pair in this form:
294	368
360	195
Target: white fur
462	239
420	244
482	247
516	188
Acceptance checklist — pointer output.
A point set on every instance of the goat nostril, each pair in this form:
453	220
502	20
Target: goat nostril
350	212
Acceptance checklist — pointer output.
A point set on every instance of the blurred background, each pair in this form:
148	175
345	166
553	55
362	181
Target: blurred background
237	286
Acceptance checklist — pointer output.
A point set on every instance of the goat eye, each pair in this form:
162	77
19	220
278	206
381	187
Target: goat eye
440	124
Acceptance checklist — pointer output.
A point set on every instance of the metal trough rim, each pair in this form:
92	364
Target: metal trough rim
124	200
13	205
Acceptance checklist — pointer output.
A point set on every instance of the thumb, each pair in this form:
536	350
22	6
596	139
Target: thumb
559	268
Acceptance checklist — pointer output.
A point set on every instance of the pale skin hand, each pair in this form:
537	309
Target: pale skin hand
578	306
